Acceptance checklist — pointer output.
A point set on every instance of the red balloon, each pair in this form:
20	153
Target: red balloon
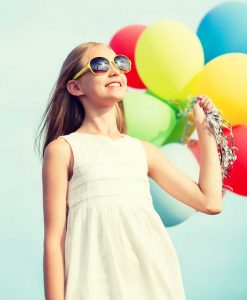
124	42
238	173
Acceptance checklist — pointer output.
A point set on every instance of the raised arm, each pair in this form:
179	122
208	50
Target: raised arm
206	195
55	179
178	184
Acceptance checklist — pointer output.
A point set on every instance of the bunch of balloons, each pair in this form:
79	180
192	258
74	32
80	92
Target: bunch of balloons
171	62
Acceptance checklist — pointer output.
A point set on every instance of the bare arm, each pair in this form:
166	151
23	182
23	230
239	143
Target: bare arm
197	195
55	178
210	179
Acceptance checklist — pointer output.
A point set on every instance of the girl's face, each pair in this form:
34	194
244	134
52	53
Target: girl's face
94	88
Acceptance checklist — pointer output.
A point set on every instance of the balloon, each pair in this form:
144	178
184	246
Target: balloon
147	117
168	54
124	42
238	173
224	80
177	135
224	30
171	210
184	126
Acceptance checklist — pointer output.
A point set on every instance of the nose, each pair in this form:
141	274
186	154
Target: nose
113	70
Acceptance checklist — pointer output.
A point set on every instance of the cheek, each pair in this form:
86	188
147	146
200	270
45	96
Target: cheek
124	79
92	85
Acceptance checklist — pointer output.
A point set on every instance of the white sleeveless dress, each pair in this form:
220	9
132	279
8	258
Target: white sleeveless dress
116	246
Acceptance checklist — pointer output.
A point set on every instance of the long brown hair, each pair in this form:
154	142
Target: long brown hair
64	113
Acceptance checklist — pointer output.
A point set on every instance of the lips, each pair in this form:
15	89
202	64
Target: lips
115	82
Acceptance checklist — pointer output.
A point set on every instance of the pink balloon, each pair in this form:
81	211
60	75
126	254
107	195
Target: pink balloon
124	42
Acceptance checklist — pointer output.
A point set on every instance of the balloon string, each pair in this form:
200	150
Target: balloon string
215	124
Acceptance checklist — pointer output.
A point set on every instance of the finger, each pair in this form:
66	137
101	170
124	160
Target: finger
209	107
206	103
199	97
207	100
202	102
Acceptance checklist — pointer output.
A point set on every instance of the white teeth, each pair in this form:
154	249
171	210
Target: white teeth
114	84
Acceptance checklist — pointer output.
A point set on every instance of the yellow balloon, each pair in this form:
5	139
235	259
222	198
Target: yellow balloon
224	80
167	55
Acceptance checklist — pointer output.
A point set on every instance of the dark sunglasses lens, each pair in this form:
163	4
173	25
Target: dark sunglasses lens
99	64
123	63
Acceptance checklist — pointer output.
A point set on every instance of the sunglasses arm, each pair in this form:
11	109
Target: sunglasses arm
78	74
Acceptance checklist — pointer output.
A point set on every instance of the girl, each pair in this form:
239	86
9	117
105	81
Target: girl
102	236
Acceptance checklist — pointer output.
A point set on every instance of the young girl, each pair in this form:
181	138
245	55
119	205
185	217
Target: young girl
103	239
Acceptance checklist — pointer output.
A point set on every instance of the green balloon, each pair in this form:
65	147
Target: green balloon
183	127
148	118
181	131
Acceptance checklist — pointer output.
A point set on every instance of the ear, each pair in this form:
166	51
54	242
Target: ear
74	88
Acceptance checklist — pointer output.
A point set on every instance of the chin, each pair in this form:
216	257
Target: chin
116	95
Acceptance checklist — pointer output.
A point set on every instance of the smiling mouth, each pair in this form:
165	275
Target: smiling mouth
114	84
112	87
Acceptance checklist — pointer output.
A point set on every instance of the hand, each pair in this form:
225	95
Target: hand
203	105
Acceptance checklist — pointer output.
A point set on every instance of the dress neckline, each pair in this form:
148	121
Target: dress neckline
123	136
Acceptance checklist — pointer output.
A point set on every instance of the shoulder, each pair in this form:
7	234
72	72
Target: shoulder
152	153
158	162
58	150
150	148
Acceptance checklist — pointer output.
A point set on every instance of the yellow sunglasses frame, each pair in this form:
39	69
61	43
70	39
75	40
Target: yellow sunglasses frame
88	67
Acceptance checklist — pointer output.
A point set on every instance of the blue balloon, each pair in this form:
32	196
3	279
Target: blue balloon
224	30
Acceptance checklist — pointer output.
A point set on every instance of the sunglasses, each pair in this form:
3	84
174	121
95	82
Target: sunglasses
100	65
